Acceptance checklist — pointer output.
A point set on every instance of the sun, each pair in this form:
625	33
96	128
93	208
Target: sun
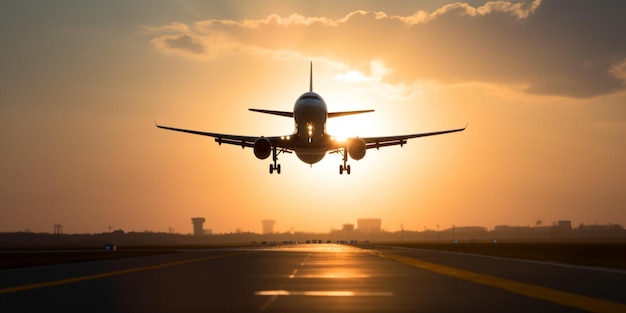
342	128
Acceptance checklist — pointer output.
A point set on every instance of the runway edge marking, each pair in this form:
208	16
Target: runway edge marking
547	294
109	274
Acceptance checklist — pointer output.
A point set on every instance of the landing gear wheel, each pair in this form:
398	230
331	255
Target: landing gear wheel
345	166
275	166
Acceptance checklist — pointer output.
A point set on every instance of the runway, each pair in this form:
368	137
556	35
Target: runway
312	278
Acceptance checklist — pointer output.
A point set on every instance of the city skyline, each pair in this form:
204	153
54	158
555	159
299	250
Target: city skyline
198	227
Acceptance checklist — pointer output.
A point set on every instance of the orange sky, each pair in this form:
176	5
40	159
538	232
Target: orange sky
541	85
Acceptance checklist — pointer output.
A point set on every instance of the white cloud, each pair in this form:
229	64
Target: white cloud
352	76
375	82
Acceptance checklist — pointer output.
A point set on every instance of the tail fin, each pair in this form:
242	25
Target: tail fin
311	78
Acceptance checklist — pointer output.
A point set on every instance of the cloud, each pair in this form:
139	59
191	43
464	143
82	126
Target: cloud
352	76
375	82
182	43
572	48
619	71
520	10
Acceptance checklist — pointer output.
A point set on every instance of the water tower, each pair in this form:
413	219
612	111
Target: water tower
198	222
268	226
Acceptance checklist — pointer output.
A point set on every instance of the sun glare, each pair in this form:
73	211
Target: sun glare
339	138
342	128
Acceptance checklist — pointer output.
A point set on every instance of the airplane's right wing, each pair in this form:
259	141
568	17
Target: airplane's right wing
243	141
378	142
279	113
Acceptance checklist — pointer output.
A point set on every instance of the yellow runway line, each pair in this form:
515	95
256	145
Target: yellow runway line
538	292
108	274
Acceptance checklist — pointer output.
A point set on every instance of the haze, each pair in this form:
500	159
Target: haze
541	84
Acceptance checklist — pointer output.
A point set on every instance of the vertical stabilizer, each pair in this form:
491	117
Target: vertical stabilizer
311	78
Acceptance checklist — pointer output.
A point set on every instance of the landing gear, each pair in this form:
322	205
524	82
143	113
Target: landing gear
275	166
345	166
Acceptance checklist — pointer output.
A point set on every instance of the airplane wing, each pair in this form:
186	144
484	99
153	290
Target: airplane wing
337	114
279	113
242	141
378	142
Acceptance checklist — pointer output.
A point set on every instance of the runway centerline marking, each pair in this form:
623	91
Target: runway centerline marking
110	274
534	291
293	274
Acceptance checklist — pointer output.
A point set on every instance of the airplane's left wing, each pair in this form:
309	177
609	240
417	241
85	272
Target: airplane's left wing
242	141
337	114
378	142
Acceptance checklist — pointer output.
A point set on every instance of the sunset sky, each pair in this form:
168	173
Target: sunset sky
541	84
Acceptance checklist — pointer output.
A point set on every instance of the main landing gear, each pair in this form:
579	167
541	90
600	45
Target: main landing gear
345	166
276	166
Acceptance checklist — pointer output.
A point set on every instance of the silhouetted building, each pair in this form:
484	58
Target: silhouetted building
565	226
369	225
198	222
268	226
348	227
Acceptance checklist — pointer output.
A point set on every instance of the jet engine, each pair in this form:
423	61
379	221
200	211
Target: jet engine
356	148
262	148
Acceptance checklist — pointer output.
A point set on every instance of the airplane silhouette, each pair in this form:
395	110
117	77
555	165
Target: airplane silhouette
310	141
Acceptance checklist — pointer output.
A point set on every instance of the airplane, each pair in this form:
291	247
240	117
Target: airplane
309	141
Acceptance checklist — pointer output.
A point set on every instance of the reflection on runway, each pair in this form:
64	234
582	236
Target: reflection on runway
325	293
334	264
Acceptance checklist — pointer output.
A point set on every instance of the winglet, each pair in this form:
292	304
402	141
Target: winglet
311	78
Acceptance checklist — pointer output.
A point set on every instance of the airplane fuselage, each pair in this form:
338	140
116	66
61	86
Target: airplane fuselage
311	141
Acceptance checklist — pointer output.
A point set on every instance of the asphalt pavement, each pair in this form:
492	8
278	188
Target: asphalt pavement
312	278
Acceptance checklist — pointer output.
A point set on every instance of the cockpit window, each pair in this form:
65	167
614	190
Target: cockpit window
309	96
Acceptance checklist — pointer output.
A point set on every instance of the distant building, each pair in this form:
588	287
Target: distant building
369	225
348	227
565	226
268	226
198	223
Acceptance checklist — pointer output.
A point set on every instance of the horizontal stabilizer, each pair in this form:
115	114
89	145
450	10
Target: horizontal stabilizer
337	114
280	113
